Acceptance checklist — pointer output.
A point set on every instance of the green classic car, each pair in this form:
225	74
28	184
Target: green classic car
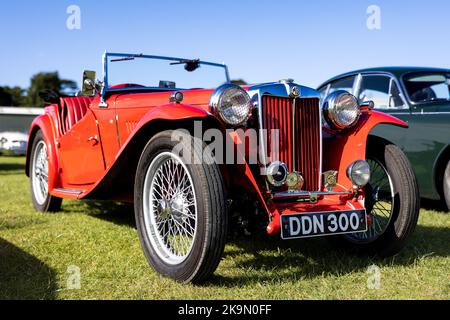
421	97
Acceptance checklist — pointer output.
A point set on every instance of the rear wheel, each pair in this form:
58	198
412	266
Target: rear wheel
42	200
447	186
180	209
392	202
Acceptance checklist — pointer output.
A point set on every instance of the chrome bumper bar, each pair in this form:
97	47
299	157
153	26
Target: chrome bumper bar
312	196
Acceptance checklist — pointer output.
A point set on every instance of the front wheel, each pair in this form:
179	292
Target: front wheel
392	202
43	201
180	209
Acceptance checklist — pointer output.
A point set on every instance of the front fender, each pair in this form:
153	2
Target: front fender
343	149
172	112
45	125
123	170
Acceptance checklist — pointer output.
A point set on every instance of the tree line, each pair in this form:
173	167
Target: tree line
20	97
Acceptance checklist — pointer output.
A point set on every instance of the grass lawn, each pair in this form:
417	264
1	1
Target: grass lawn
37	250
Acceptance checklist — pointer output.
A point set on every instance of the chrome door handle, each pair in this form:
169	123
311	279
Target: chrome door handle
93	140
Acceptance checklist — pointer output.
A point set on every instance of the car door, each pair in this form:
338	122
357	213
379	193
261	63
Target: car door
429	132
384	91
107	126
81	153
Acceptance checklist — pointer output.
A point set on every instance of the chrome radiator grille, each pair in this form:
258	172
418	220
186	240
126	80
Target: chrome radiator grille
299	124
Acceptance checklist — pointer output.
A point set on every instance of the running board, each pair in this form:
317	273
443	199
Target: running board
67	193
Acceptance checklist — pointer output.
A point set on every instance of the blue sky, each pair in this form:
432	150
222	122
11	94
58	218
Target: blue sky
261	41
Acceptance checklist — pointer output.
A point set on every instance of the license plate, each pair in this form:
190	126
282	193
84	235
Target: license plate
306	225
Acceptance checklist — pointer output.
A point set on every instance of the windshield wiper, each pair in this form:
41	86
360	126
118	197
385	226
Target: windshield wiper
130	58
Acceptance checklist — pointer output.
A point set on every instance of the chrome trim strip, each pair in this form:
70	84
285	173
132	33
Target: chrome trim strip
425	113
69	191
321	146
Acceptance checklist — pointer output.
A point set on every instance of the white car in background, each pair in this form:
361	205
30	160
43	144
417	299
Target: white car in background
13	143
14	125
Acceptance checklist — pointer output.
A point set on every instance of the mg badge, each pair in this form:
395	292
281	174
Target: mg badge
330	180
295	92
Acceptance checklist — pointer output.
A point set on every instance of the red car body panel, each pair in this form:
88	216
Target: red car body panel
81	159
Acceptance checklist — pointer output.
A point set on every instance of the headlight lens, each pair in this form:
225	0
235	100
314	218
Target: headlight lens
359	173
341	110
232	104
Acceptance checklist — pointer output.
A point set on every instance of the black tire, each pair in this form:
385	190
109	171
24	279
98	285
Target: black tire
446	187
212	219
405	208
49	203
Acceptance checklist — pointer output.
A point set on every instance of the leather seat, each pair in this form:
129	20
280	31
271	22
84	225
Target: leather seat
73	109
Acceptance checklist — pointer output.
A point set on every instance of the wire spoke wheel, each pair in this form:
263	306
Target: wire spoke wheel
379	203
39	174
170	208
180	208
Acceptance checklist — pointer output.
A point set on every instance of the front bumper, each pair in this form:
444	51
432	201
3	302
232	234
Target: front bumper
307	202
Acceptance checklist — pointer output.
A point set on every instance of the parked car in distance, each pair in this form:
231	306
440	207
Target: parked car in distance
421	98
14	125
13	143
151	136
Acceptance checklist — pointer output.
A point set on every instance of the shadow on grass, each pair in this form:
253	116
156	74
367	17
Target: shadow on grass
6	168
271	259
22	276
276	260
117	213
434	205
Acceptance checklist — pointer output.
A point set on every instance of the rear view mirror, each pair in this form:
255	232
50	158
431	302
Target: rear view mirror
89	83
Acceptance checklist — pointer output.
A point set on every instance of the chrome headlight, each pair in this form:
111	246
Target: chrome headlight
341	110
232	104
359	173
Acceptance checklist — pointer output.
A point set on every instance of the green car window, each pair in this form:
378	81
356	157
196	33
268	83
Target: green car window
428	87
343	84
382	90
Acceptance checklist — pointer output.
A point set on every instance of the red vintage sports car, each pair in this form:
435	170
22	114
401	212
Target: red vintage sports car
195	161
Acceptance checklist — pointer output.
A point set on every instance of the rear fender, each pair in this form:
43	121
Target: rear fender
341	150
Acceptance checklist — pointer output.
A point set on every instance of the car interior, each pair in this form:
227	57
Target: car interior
71	110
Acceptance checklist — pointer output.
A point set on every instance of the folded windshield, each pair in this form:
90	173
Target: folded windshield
427	87
144	71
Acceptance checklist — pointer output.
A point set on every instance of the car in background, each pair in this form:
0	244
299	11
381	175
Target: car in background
420	97
13	143
14	125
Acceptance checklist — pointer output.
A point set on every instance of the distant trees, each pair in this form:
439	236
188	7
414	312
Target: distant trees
18	97
12	96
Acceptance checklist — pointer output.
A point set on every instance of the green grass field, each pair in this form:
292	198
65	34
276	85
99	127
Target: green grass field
37	250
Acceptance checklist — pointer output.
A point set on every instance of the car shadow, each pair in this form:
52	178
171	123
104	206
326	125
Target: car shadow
296	259
114	212
434	205
23	276
11	168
